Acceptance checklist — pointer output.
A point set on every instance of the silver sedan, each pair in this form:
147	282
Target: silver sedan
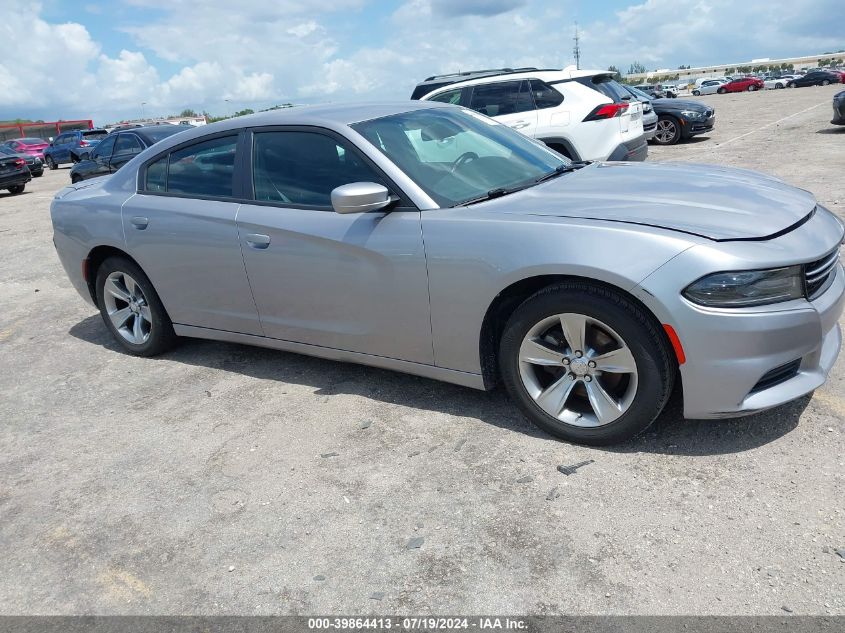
429	239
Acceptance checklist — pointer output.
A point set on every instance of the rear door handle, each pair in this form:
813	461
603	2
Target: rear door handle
518	125
257	240
140	222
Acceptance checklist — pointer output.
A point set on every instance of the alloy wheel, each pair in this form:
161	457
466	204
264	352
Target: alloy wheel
666	131
578	370
127	308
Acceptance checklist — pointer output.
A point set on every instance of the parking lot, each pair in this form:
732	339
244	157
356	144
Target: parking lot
235	480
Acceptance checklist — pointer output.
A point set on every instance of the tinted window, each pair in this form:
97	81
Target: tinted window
507	97
544	95
64	138
157	175
94	135
105	148
127	144
302	168
450	96
609	87
204	169
155	134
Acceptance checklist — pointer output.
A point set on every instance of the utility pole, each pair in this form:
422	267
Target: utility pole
576	51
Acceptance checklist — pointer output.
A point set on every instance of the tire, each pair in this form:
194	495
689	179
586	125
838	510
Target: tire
721	91
790	85
147	329
668	130
642	381
696	93
51	163
778	86
751	88
16	189
825	82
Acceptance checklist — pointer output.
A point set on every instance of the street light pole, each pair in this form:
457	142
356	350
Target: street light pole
228	107
143	103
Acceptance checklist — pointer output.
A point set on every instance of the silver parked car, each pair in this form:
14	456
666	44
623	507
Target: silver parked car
430	239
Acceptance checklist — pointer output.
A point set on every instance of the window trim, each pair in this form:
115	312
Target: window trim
237	188
403	203
549	86
137	138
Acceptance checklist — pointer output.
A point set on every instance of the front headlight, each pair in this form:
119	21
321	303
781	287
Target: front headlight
747	288
692	114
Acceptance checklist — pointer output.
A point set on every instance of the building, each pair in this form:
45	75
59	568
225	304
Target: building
47	130
691	74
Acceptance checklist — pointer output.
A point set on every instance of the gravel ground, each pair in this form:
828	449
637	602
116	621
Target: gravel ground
222	479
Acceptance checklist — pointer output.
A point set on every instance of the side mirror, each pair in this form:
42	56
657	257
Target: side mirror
360	197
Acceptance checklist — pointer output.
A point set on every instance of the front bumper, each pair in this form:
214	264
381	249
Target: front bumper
732	355
692	127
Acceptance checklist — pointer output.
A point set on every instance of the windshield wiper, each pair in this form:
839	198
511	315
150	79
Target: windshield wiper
493	193
560	169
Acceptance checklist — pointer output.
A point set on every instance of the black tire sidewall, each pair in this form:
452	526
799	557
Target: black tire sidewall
677	135
654	373
161	331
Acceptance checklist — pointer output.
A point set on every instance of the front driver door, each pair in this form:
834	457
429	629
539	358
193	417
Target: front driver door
354	282
101	156
127	147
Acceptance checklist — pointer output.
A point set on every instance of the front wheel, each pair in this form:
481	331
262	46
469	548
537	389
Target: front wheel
16	189
131	308
778	86
668	131
51	163
752	88
825	82
697	93
721	91
586	364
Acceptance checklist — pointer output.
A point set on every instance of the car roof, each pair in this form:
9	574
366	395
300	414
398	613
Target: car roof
545	74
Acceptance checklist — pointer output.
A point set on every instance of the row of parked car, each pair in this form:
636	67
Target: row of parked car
722	85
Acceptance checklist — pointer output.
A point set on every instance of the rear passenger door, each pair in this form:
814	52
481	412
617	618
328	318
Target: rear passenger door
102	155
180	227
508	102
127	147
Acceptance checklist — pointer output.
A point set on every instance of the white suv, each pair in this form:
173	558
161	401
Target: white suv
583	114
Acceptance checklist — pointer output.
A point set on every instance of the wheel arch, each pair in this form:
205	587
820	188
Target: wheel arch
563	146
96	257
510	298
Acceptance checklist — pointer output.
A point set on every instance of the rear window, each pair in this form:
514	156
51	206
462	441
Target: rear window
95	135
31	141
606	85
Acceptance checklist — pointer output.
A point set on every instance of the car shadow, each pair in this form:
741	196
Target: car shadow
6	194
832	130
669	435
694	139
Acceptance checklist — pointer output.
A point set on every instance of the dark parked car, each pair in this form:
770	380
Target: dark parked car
815	78
118	148
72	147
14	174
839	108
655	91
681	119
33	163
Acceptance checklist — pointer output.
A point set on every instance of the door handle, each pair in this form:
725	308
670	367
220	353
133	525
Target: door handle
257	240
518	125
140	222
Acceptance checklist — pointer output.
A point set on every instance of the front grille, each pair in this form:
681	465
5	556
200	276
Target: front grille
777	375
818	275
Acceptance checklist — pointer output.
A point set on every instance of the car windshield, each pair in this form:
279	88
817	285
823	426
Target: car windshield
456	155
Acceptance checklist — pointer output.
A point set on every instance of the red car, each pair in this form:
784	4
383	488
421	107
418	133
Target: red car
741	84
30	146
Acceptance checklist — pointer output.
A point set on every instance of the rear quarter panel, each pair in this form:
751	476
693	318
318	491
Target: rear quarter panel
82	220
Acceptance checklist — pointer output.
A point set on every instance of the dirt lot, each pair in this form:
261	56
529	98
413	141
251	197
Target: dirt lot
199	482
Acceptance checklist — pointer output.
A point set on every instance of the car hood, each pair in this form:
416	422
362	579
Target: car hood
719	203
679	104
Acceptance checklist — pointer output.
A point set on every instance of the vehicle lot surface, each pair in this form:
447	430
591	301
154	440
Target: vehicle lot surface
227	479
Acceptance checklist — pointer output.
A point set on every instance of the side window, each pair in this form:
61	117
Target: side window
544	95
127	144
157	175
302	168
450	96
507	97
104	149
204	169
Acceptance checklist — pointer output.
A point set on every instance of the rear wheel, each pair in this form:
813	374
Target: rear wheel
778	86
586	364
668	131
697	93
826	82
752	88
16	189
721	91
131	308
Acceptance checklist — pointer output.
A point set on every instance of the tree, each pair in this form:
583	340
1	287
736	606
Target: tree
636	68
188	112
682	67
615	71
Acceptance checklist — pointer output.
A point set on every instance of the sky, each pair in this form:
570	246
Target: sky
103	59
